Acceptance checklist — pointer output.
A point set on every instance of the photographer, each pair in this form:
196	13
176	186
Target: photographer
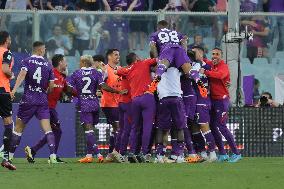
267	101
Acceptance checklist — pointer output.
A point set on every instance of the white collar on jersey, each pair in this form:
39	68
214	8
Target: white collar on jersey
36	56
84	68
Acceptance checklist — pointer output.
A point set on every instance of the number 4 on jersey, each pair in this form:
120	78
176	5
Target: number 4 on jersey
37	75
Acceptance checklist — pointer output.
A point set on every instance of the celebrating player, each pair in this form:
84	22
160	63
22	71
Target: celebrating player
109	101
219	76
39	79
86	81
59	67
125	114
143	103
203	105
170	108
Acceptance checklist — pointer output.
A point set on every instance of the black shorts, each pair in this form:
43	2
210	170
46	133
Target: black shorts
5	104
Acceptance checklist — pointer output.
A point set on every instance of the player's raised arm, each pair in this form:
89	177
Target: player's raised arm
183	42
153	50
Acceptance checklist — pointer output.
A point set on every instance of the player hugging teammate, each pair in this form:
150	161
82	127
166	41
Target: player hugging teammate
186	97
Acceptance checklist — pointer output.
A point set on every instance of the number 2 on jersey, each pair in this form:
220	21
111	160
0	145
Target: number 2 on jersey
37	75
168	37
85	89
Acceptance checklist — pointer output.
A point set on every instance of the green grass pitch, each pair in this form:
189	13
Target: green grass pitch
250	173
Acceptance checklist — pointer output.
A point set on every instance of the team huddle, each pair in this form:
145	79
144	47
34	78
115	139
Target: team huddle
177	92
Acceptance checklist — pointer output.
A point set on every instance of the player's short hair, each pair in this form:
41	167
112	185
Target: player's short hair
3	37
37	44
163	24
268	94
110	51
56	59
99	58
192	55
217	48
130	58
198	47
87	59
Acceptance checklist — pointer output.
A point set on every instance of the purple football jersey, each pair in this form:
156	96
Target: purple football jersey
166	38
187	86
39	74
86	81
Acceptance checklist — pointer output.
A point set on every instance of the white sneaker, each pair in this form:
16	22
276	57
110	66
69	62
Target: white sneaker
180	159
118	157
159	159
212	157
174	157
163	159
204	155
167	160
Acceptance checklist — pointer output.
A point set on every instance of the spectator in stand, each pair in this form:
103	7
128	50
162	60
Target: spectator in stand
3	4
198	41
18	25
62	41
52	49
159	5
203	25
93	5
221	5
277	22
35	5
117	4
175	5
257	47
100	38
119	29
138	24
82	37
57	4
267	101
250	5
202	5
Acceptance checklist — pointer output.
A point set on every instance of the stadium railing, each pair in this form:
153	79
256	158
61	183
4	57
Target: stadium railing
38	25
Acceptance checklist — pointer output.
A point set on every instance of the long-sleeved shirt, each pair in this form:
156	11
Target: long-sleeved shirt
219	75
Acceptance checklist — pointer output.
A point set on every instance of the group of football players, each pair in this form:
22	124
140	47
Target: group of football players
177	92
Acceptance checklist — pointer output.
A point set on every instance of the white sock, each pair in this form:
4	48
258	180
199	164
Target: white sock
52	156
89	155
11	155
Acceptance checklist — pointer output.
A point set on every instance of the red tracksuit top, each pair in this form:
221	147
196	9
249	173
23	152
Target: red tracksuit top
219	75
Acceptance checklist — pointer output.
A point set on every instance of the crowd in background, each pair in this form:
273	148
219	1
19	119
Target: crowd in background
170	5
67	34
